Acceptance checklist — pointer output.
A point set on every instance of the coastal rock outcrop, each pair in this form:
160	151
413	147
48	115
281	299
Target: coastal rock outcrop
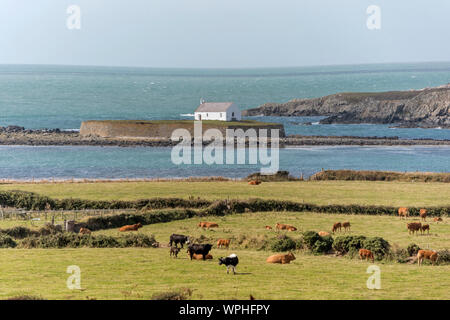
426	108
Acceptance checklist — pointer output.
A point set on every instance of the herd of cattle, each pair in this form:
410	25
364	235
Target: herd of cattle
201	251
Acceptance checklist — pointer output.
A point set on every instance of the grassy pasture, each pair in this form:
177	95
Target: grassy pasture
136	273
317	192
139	273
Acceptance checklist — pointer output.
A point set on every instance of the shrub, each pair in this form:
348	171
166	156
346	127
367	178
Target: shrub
323	245
346	244
309	238
138	240
378	246
283	244
151	217
412	249
72	240
18	232
7	242
380	176
443	257
399	254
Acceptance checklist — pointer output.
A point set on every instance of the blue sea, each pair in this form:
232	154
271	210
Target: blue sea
63	96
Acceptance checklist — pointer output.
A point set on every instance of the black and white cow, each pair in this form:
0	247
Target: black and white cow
178	239
231	262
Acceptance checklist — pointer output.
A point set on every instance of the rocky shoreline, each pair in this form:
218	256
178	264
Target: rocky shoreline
14	135
425	108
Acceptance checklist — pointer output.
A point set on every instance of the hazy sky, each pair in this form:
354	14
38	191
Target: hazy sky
223	33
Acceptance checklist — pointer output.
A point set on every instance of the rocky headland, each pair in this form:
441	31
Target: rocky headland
425	108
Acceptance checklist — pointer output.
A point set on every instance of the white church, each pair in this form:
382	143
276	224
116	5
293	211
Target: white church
223	111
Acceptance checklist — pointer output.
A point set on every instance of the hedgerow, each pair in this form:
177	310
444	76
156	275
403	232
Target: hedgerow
33	201
73	240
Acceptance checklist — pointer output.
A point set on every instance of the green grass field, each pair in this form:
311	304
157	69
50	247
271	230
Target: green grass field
317	192
137	273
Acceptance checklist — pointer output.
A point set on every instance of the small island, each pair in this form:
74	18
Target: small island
162	129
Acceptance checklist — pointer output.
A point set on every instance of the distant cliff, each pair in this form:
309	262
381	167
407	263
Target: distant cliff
426	108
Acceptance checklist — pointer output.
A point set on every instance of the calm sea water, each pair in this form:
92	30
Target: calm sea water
25	162
63	97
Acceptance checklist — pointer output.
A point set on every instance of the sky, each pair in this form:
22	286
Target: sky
223	33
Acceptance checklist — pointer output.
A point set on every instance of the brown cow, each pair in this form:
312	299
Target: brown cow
223	243
281	258
132	227
336	226
208	225
254	182
323	233
200	256
437	219
84	231
423	214
413	227
403	212
425	227
346	226
367	254
427	254
268	227
288	227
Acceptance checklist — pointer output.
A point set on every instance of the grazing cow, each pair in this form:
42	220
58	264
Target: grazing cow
133	227
336	226
230	262
403	212
268	227
425	227
208	225
254	182
223	243
281	258
346	226
366	254
413	227
178	239
323	233
437	219
423	214
202	249
288	227
174	251
200	257
427	254
84	231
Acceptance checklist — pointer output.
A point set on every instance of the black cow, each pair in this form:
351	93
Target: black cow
202	249
178	239
231	262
